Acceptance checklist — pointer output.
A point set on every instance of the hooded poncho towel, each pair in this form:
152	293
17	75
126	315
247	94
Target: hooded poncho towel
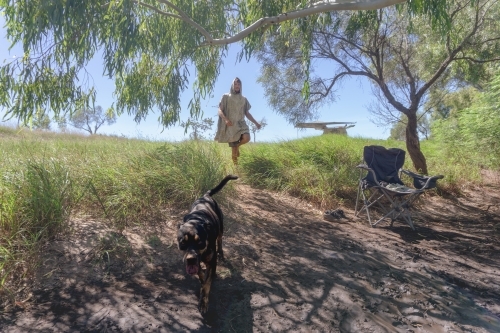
234	106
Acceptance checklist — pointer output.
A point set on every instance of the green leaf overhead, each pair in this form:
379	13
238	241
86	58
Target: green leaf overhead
148	47
399	54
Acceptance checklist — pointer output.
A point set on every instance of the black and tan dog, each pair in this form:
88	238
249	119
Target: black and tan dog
200	237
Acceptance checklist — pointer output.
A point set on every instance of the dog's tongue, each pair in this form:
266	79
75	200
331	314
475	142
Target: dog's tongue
192	269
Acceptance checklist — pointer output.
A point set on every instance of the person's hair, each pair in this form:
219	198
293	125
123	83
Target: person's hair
237	79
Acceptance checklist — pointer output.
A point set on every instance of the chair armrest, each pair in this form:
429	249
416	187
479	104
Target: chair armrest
363	166
422	182
367	168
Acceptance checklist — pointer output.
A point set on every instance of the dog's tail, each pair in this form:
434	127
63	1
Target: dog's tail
221	185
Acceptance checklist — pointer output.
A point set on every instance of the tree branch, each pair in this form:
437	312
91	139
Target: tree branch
181	16
187	19
159	11
411	80
477	60
451	57
314	8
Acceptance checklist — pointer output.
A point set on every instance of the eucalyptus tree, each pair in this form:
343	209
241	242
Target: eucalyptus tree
254	129
400	55
149	47
41	121
90	119
198	127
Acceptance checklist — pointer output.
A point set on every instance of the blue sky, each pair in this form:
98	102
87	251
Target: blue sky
350	106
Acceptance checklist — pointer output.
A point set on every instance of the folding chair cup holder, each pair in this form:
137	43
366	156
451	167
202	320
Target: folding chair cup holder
382	187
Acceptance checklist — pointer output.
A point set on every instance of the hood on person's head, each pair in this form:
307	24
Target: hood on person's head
232	86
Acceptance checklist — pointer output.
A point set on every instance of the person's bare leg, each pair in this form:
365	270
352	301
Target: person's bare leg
245	138
235	154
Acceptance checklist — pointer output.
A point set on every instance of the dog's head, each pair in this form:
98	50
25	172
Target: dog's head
192	240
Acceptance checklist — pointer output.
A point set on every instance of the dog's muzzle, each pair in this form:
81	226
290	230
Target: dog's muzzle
192	264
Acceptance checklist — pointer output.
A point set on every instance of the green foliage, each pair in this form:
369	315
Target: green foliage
443	103
151	44
36	198
254	129
283	77
399	54
437	11
188	169
128	181
46	176
49	197
91	119
198	127
139	185
322	169
318	169
40	197
474	130
398	129
41	120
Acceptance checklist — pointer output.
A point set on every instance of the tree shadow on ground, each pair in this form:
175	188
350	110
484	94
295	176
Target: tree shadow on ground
286	270
337	271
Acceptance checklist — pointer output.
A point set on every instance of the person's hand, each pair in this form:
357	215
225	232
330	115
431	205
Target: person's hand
258	125
228	122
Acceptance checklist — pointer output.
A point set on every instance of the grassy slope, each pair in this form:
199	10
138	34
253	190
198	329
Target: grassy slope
322	169
45	177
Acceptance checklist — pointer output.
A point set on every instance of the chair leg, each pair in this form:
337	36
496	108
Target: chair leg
357	199
368	214
366	204
409	221
406	206
402	208
399	207
386	216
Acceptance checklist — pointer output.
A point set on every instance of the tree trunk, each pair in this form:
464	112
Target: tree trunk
413	144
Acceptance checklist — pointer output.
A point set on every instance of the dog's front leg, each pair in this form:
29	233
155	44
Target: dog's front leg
219	247
206	284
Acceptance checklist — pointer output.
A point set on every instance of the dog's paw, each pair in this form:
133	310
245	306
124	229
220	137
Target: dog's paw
203	306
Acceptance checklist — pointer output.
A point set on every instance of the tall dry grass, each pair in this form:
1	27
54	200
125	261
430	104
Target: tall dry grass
47	177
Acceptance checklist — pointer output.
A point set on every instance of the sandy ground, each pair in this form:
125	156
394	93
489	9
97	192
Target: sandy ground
286	270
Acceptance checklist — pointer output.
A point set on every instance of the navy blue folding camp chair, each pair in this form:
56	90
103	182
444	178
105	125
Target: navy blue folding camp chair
382	186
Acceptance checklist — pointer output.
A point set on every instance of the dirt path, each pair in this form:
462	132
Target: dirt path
286	270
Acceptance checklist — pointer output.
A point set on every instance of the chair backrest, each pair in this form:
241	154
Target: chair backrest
385	163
